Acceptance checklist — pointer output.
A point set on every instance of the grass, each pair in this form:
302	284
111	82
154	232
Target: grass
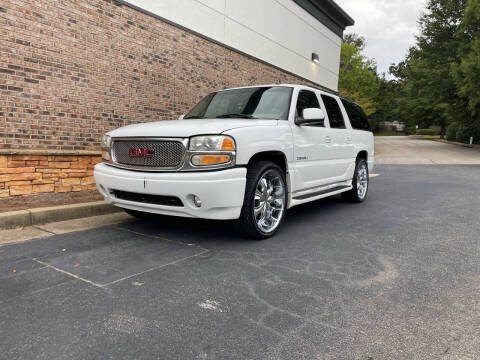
429	136
389	133
455	143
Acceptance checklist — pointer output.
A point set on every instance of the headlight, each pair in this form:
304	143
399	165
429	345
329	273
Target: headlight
106	144
212	143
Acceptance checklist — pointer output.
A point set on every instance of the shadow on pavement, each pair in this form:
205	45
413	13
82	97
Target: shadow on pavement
214	232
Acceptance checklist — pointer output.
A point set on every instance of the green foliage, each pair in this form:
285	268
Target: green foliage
360	82
438	83
440	76
386	103
428	132
469	129
428	87
355	39
467	72
452	131
358	77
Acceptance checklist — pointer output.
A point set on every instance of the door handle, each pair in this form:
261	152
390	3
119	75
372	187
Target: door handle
328	139
348	140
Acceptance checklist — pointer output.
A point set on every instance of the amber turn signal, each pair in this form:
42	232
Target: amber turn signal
202	160
228	144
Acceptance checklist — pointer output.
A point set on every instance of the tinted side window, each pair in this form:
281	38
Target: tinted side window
334	113
357	116
306	99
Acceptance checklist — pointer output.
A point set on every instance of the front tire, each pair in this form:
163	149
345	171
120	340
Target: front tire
360	183
265	201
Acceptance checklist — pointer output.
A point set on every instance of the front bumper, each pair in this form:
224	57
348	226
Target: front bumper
221	192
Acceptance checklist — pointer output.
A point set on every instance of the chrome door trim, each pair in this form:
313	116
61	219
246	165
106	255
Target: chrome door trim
322	192
319	187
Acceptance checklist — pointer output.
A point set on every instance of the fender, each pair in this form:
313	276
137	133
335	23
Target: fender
253	140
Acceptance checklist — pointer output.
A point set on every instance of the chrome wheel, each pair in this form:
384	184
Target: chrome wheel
269	201
362	180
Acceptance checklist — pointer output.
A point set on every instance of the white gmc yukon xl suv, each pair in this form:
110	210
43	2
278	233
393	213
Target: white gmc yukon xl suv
247	154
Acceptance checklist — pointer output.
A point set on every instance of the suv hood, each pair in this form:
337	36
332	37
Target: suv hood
187	128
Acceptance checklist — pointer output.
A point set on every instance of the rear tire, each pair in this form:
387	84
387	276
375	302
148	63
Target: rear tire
360	183
265	201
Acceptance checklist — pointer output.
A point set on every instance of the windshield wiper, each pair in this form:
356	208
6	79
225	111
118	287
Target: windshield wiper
241	116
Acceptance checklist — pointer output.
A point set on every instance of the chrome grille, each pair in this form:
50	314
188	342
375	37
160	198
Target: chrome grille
166	153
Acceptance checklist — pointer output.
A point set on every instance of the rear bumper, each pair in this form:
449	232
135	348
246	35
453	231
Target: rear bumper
221	192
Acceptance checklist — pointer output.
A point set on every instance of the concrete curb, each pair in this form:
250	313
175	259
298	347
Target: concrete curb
38	216
474	146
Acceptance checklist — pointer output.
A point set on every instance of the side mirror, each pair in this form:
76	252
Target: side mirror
311	116
181	117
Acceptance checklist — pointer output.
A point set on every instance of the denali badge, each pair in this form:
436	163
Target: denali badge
134	152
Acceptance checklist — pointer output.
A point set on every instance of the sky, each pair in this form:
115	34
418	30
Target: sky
389	26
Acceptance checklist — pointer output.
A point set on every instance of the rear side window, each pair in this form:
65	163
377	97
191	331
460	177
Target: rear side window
357	116
334	113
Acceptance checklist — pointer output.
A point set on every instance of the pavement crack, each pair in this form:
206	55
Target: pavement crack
263	326
44	230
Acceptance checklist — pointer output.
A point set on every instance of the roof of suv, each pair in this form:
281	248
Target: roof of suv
285	85
295	85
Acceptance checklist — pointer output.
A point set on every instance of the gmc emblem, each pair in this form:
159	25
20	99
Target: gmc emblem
134	152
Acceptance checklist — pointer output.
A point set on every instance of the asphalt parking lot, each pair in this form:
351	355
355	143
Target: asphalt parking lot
403	150
397	277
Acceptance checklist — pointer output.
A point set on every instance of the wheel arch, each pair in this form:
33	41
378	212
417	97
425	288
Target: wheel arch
275	156
363	154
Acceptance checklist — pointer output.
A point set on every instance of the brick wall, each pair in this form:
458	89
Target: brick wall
33	174
70	70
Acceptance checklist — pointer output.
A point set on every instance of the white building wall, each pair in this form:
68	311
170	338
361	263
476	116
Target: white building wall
276	31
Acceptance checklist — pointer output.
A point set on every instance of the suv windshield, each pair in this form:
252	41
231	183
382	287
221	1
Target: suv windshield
271	103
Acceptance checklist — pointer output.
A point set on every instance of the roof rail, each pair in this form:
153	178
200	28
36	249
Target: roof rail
325	89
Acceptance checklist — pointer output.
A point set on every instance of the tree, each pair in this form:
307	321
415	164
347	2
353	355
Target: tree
429	90
358	79
386	103
355	39
466	73
438	82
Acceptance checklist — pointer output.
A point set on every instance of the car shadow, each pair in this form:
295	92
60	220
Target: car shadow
210	233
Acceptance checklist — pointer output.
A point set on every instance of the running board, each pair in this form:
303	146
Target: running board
323	192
